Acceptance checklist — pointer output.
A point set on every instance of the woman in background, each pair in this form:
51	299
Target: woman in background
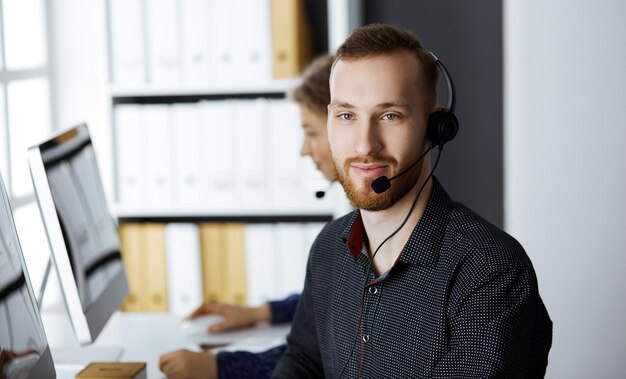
313	96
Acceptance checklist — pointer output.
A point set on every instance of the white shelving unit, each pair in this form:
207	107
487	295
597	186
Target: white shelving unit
343	15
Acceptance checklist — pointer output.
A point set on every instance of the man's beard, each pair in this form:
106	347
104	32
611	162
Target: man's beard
365	198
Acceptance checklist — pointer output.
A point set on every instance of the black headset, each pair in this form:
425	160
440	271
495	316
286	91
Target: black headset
443	125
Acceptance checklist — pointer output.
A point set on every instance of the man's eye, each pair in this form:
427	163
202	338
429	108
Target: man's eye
345	116
391	117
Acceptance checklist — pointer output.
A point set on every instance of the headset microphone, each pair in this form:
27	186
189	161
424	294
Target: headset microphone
320	194
382	184
442	127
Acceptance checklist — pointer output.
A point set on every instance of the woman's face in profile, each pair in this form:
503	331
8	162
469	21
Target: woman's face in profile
315	143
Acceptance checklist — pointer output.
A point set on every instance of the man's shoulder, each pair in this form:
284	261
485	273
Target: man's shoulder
484	241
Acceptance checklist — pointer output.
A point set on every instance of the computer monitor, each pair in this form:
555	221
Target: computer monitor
24	351
81	231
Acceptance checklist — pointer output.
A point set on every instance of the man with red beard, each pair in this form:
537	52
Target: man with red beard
411	284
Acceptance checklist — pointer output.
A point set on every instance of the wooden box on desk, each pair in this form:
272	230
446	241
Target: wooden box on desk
110	370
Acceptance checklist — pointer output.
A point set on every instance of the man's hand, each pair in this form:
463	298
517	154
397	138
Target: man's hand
185	364
235	316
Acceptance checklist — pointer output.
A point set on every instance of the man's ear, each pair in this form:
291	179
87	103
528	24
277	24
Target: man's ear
438	108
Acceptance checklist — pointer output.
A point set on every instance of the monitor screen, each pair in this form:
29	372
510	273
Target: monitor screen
81	230
24	351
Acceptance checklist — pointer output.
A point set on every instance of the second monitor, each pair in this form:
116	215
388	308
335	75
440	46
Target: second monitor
24	351
80	228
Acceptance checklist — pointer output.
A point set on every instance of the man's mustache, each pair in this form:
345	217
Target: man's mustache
370	160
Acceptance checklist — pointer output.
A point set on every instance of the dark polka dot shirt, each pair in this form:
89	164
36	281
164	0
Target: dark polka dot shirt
461	301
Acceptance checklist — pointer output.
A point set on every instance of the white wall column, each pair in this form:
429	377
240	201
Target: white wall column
565	171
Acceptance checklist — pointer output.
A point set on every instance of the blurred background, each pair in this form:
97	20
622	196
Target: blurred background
175	92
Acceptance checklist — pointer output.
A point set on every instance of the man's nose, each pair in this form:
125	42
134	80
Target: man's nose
368	141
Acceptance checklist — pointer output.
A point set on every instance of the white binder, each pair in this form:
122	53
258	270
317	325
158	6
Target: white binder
130	154
127	42
184	277
291	258
251	142
187	147
227	31
217	183
158	140
261	264
285	162
255	53
197	33
163	42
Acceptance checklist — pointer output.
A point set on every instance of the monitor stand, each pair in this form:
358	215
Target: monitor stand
71	356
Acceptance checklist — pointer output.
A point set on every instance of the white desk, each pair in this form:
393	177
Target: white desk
144	337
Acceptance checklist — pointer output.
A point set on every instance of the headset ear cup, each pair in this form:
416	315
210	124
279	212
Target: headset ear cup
442	127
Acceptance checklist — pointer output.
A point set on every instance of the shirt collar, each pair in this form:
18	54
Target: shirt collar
426	238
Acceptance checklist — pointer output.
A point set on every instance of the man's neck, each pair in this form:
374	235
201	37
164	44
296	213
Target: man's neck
379	225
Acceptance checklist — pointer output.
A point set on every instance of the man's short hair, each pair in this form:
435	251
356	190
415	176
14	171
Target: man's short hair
379	39
314	91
